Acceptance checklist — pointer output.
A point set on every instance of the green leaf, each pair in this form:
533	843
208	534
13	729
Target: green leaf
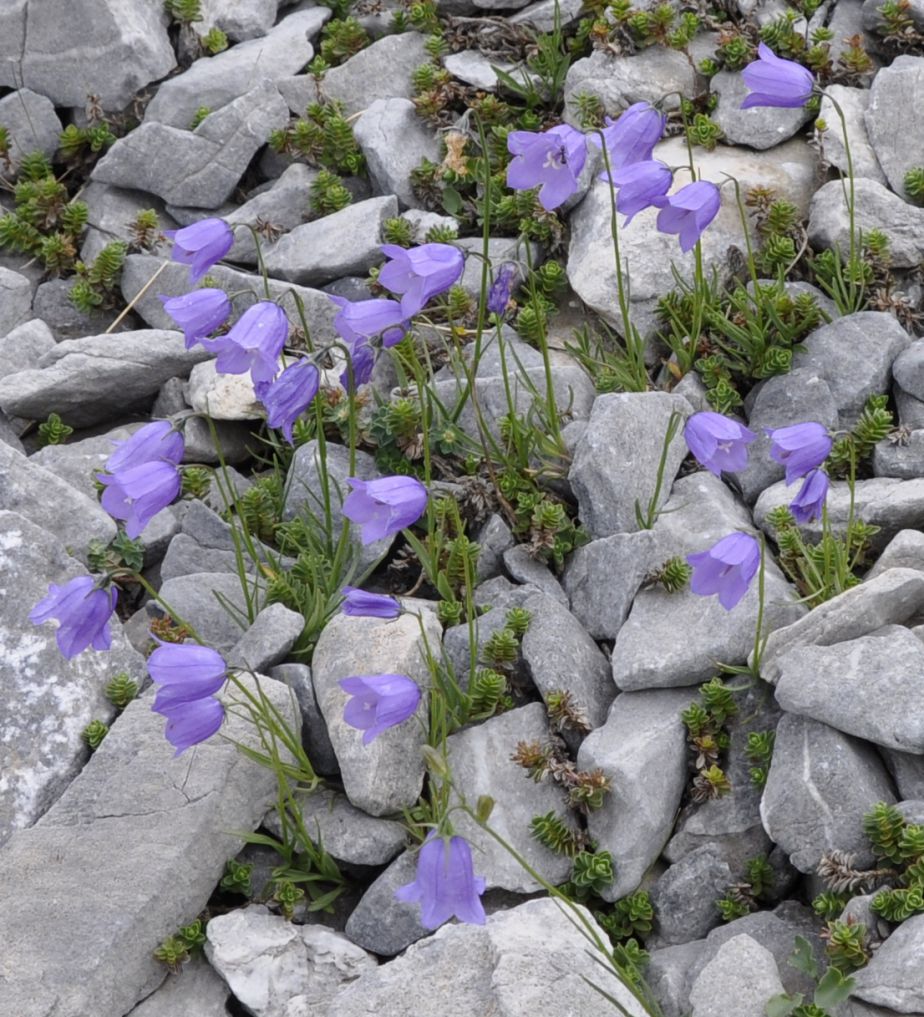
803	958
442	585
833	989
452	200
783	1005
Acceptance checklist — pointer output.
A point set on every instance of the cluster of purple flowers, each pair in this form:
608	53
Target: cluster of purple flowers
719	443
188	676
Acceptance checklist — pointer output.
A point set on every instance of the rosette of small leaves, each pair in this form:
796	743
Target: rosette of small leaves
588	109
327	194
260	510
441	234
517	620
78	142
487	691
94	733
342	38
121	690
557	835
144	230
704	132
897	905
502	649
631	958
565	714
184	12
324	137
591	873
214	41
829	904
846	945
632	916
287	895
875	423
914	185
673	575
734	51
173	952
196	481
53	431
759	751
96	284
237	877
201	113
398	231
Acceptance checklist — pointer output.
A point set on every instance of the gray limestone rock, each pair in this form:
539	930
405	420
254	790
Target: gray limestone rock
151	828
494	539
173	281
385	775
47	700
542	14
479	759
614	470
525	568
893	977
268	640
907	771
908	369
910	410
343	243
215	81
239	20
9	434
102	49
642	749
684	897
78	462
195	989
315	738
347	833
854	102
888	599
390	165
868	687
31	124
222	396
670	973
90	380
903	459
198	599
30	490
380	922
15	300
112	212
273	966
197	168
841	779
380	71
742	971
500	968
876	208
760	127
895	120
53	305
24	347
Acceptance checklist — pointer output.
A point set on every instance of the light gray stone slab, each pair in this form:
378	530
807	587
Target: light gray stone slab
742	971
31	123
895	119
893	977
380	71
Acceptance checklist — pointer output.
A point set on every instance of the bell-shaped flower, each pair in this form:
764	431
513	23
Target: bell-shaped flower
83	611
552	160
201	245
185	672
189	723
446	885
358	321
774	81
640	185
287	398
420	273
359	371
385	506
198	313
632	137
799	447
360	604
254	343
809	502
158	440
136	494
688	212
501	288
718	443
727	568
379	701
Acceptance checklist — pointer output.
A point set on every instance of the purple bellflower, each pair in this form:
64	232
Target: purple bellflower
158	440
136	494
360	604
362	361
727	568
800	447
420	273
254	343
553	159
83	611
185	672
287	398
501	288
810	500
360	320
198	313
774	81
201	245
385	506
640	183
688	212
718	443
380	701
191	723
632	137
446	884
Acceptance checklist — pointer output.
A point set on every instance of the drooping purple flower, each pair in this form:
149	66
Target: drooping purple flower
632	137
185	672
360	604
362	361
155	441
201	245
446	885
380	701
198	313
287	398
83	611
799	447
718	443
640	183
810	500
384	506
361	320
688	212
420	273
501	288
774	81
553	160
727	568
254	343
191	723
136	494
